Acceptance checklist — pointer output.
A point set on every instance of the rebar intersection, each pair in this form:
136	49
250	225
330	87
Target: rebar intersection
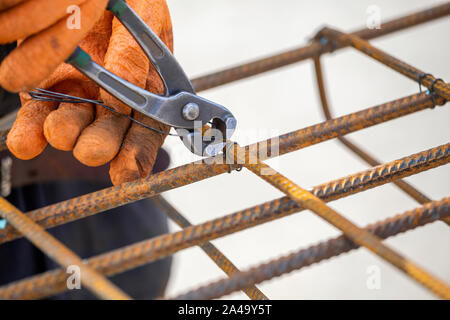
32	224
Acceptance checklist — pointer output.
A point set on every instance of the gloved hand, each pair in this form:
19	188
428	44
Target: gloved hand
96	135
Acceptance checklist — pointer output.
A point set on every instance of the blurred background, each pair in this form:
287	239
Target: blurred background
211	35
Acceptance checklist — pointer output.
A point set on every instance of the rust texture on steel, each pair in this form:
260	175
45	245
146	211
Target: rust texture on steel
135	255
324	250
296	55
32	225
218	257
109	198
356	149
247	70
352	231
433	84
96	282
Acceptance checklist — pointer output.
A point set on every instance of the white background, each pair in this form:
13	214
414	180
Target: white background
210	35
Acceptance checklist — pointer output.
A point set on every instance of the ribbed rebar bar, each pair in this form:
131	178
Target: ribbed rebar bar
359	236
409	220
135	255
96	282
433	84
305	52
246	70
125	193
110	198
218	257
364	155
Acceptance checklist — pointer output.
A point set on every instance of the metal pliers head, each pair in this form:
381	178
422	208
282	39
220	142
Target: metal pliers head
203	125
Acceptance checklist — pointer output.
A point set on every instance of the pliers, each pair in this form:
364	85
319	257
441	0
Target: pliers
180	107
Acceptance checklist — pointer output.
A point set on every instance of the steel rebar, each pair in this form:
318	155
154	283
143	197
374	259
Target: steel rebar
138	254
216	256
125	193
305	52
352	231
364	155
96	282
246	70
433	84
409	220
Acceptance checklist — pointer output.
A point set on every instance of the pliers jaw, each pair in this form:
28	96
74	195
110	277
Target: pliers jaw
209	141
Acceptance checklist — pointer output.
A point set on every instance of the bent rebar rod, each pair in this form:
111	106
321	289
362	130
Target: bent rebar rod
125	193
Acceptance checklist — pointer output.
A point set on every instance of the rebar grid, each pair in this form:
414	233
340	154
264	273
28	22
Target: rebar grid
32	224
352	231
356	149
322	251
58	252
138	254
218	257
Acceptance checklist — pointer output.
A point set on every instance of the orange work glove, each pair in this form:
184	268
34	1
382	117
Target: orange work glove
95	135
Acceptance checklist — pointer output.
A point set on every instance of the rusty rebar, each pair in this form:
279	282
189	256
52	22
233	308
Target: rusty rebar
125	193
120	260
218	257
409	220
286	58
305	52
352	231
433	84
94	281
296	193
364	155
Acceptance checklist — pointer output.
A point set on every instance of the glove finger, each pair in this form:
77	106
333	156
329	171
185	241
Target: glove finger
26	139
138	153
6	4
63	126
32	16
140	147
39	55
100	142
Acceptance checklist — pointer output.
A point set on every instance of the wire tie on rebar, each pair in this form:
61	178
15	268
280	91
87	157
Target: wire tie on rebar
324	42
432	92
231	144
420	78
